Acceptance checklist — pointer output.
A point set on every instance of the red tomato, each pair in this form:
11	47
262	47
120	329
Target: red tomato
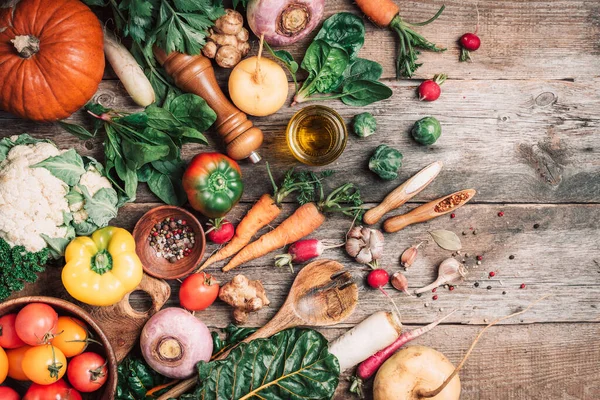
7	393
198	291
87	372
8	335
58	390
36	323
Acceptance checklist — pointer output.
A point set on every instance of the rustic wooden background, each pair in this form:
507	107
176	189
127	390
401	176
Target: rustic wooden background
521	124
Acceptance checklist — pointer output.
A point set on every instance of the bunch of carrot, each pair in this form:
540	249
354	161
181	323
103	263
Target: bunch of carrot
305	220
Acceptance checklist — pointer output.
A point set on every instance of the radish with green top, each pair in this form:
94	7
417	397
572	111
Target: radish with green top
220	231
303	251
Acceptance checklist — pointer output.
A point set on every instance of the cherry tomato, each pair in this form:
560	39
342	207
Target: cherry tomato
7	393
15	363
198	291
3	365
36	323
58	390
87	372
71	336
44	364
8	336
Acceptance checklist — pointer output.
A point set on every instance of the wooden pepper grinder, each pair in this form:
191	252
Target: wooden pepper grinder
195	74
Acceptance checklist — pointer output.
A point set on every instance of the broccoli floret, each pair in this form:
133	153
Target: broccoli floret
364	124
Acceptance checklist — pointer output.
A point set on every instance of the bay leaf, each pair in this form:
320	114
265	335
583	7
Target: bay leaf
446	239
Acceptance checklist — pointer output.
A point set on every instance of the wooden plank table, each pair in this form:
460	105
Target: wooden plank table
521	125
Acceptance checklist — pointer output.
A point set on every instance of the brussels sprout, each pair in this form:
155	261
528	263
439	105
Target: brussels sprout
426	130
385	162
364	124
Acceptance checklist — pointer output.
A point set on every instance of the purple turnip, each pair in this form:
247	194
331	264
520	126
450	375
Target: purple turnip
284	22
173	341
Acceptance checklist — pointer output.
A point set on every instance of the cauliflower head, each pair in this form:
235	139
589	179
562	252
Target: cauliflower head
47	196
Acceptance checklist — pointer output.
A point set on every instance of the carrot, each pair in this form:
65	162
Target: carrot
262	213
380	12
266	209
305	220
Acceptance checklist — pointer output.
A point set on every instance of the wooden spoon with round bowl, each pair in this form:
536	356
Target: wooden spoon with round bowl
322	294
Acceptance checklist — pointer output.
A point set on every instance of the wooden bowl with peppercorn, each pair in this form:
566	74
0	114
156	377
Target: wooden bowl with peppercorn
169	241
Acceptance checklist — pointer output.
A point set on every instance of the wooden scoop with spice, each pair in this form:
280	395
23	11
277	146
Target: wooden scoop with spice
429	211
404	192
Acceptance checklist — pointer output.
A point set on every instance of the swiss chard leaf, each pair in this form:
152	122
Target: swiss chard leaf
344	30
292	364
136	378
68	167
361	93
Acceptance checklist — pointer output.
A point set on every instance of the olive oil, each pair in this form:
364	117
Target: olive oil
316	135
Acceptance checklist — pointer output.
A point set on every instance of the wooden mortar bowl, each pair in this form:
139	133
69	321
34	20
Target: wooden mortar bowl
63	307
160	267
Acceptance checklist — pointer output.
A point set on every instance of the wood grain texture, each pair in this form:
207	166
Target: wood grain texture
515	141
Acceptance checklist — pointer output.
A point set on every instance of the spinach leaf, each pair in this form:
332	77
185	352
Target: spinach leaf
363	69
68	167
344	30
102	207
142	153
286	58
144	173
193	111
128	176
325	66
76	130
161	118
166	181
363	92
292	364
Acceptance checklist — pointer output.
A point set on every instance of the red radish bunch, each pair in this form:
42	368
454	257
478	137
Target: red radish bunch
303	251
430	89
220	231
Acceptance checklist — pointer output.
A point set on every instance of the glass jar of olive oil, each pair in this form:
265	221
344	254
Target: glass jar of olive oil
316	135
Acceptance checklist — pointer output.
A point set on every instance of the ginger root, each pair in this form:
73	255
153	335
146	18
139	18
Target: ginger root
245	296
228	40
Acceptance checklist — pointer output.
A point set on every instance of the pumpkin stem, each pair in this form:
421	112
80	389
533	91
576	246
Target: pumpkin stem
26	45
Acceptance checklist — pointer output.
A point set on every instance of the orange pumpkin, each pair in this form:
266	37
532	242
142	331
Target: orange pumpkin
51	58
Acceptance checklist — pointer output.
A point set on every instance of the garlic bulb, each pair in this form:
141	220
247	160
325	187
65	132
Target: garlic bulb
450	271
365	244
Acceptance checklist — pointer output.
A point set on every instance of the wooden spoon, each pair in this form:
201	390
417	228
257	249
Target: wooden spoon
428	211
322	294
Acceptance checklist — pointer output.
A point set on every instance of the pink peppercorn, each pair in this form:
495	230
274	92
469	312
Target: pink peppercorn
451	288
434	290
522	286
452	215
435	297
479	258
501	214
492	274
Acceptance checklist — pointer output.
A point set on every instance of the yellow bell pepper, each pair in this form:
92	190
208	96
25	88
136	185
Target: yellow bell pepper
103	268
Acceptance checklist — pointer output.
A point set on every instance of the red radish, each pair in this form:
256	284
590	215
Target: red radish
367	368
378	278
469	42
303	251
430	89
221	231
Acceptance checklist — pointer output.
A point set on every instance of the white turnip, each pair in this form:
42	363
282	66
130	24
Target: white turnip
284	22
258	86
173	341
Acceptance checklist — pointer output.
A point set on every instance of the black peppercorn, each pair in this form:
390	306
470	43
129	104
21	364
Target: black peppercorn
489	287
476	284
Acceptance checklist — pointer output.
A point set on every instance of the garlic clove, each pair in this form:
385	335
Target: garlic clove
400	282
364	256
408	257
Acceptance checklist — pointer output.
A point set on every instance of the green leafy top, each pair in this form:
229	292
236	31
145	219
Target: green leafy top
136	379
18	266
292	364
303	184
333	66
145	146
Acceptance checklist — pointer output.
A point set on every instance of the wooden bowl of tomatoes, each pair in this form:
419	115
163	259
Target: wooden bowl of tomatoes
169	241
50	349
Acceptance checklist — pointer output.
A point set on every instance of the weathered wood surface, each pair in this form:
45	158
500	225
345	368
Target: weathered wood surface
521	125
514	141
